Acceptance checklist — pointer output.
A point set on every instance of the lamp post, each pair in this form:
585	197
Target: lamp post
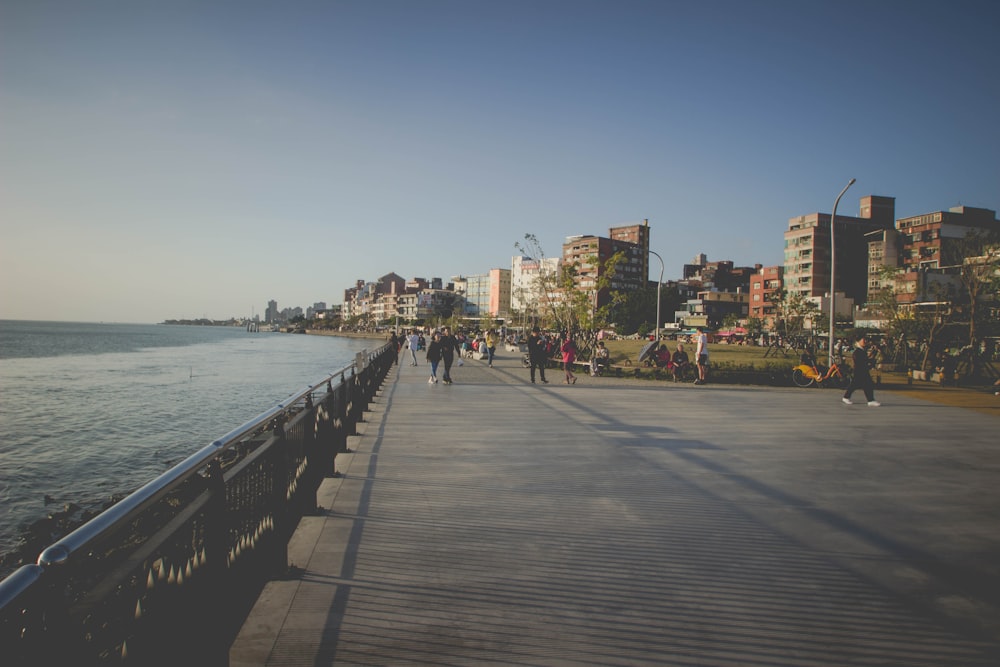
658	286
833	268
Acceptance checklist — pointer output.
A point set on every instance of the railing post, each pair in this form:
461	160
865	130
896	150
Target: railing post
278	559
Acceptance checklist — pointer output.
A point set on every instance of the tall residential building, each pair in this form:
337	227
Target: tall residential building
589	253
477	295
526	282
807	249
926	248
935	240
499	304
763	286
637	235
883	252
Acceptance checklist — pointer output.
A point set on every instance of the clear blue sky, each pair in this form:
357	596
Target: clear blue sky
186	159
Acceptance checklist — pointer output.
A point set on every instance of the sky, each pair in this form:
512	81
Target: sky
165	160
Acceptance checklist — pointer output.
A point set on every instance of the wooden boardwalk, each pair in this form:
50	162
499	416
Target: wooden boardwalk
625	522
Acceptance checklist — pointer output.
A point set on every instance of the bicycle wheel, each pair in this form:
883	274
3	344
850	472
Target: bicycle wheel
800	379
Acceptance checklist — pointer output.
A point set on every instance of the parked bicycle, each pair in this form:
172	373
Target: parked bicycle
807	374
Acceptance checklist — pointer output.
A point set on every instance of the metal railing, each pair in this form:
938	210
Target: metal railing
167	575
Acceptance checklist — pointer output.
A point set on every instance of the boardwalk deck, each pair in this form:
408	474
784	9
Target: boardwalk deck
624	522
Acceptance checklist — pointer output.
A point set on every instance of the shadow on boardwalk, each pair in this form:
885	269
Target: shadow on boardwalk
635	523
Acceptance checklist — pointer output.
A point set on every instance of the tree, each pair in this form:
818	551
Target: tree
755	325
629	310
562	303
545	285
793	310
979	253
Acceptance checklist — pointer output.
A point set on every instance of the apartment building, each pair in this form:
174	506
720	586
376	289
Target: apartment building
929	249
588	254
935	240
763	286
499	301
526	275
807	249
721	275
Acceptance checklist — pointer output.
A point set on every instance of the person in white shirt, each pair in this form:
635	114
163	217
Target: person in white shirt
701	356
413	341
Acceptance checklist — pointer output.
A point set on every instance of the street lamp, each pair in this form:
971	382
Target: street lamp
658	286
833	267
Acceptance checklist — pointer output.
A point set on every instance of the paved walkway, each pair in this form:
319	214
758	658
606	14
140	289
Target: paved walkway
624	522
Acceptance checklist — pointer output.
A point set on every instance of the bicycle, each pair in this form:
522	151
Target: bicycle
805	375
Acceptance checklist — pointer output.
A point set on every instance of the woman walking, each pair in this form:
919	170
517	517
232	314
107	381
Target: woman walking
568	349
434	356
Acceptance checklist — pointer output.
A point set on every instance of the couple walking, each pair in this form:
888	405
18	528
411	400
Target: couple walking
442	347
538	355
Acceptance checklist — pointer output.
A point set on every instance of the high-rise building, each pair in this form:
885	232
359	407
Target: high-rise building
477	295
527	282
499	303
807	249
935	240
588	254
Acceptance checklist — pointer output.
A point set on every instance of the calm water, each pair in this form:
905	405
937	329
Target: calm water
90	410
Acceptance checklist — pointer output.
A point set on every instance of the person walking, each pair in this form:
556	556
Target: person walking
449	346
394	340
568	349
537	354
413	342
701	356
491	345
434	356
861	379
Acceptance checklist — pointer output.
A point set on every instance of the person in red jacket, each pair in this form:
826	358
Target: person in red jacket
568	349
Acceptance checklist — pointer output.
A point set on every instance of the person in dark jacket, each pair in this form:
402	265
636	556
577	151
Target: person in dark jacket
449	346
861	379
434	356
537	354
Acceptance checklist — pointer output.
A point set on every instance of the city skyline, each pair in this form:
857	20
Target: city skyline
180	160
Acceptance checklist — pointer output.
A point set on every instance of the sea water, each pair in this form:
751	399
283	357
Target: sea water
88	411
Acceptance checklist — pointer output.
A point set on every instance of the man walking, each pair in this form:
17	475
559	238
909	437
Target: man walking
537	354
449	346
861	378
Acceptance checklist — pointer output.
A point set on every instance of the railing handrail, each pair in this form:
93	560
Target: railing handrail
299	439
134	503
127	508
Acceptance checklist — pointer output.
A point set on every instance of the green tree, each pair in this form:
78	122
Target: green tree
793	312
730	321
629	310
979	254
561	303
